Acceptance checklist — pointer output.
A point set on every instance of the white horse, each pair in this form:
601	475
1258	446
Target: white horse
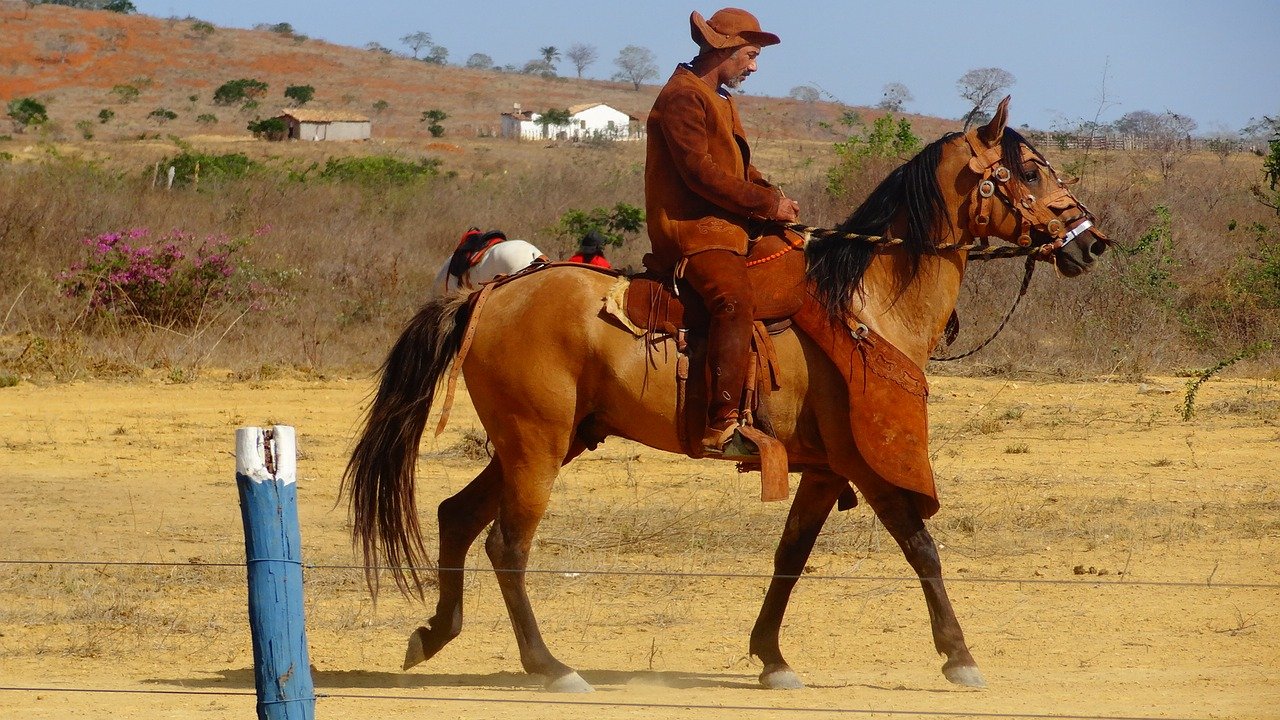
504	258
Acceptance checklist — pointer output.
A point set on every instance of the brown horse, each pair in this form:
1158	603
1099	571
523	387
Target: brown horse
582	378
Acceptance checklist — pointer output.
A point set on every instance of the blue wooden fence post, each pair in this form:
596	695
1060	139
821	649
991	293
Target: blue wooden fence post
266	476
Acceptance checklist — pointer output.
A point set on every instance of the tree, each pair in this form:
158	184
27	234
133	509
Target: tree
805	93
635	65
982	88
234	91
433	118
1139	122
894	97
1269	194
479	61
269	128
300	94
582	56
438	55
538	66
416	41
27	112
553	117
613	223
377	47
550	53
120	6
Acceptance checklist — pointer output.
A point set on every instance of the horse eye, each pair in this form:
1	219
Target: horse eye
1030	174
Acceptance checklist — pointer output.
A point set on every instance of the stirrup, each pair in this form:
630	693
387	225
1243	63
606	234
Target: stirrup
729	443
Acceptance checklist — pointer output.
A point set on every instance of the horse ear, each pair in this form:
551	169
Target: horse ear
994	130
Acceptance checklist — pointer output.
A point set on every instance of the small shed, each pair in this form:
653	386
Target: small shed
318	124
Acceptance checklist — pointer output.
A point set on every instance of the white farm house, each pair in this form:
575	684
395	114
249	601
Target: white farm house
586	122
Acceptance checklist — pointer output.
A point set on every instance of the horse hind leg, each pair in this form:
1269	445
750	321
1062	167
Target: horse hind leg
814	498
898	512
525	494
461	519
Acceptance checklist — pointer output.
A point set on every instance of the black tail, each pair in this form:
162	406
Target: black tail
380	475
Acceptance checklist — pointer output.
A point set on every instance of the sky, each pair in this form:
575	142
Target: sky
1083	60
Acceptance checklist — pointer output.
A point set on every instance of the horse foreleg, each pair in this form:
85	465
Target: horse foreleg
809	510
524	500
898	512
461	518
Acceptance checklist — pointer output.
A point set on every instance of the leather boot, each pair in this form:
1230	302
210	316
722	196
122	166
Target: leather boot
720	279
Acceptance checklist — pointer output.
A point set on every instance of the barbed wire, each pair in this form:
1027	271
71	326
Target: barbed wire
1120	580
619	704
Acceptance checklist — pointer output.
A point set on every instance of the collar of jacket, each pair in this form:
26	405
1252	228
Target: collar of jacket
721	91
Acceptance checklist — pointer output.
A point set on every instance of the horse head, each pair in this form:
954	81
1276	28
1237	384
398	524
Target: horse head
1017	196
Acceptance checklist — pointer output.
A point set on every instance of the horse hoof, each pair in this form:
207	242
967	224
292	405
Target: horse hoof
966	675
571	683
416	652
781	679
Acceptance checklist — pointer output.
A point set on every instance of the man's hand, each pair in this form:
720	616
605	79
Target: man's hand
788	210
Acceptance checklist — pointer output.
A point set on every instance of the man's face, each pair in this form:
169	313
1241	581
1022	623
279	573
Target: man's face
739	65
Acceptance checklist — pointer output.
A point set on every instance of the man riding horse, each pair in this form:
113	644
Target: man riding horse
706	203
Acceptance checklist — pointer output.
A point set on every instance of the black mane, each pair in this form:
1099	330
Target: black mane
836	266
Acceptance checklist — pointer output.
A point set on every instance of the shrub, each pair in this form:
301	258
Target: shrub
300	94
433	118
162	115
125	93
374	170
86	128
175	283
230	166
105	115
202	28
27	112
234	91
269	128
884	140
207	119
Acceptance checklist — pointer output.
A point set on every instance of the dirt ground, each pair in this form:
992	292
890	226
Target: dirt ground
1105	559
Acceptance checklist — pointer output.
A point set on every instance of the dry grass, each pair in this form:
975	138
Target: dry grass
364	257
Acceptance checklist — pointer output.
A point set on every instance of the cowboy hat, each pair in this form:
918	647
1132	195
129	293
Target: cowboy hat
592	242
729	28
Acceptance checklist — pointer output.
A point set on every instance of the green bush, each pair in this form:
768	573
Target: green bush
884	140
230	166
613	223
207	119
105	115
162	115
234	91
300	94
375	170
27	112
125	93
269	128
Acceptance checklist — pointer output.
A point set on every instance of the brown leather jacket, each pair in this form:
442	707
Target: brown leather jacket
699	185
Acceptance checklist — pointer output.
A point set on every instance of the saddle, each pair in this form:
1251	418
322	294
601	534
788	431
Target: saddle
471	249
662	308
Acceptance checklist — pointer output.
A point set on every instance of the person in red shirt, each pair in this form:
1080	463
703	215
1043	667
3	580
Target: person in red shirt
591	251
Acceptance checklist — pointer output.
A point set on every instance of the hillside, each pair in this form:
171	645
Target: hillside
71	60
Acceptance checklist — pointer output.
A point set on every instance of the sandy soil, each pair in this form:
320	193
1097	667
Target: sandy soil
1105	559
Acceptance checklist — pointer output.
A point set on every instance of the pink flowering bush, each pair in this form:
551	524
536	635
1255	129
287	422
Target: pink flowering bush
173	281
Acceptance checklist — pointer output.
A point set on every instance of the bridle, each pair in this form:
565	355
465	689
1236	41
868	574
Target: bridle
1032	213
